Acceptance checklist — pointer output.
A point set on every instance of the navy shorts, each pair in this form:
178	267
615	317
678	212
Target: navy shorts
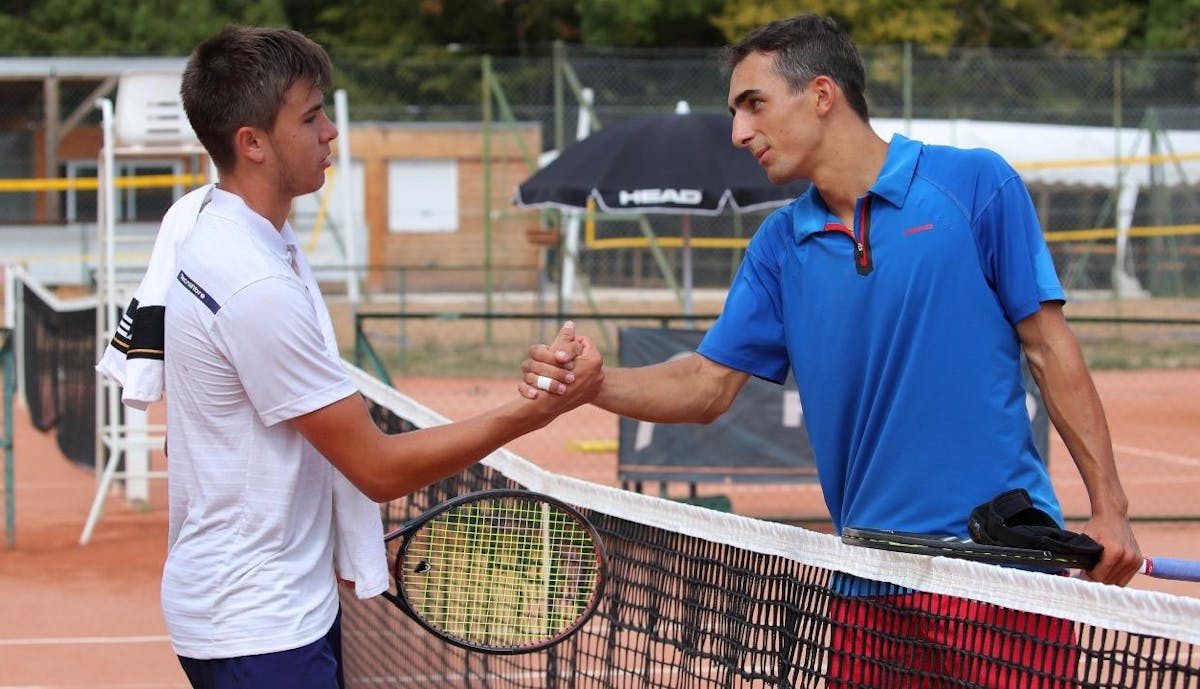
315	666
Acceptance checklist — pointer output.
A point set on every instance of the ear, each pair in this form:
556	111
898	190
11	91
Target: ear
249	143
826	93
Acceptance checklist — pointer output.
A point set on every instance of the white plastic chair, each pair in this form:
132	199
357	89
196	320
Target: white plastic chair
149	114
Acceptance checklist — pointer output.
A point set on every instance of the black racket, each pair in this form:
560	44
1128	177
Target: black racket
498	571
966	549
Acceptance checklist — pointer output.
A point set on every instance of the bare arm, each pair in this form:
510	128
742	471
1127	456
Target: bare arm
385	467
688	389
1073	404
685	389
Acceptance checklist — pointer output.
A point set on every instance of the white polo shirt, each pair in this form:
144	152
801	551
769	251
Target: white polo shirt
249	345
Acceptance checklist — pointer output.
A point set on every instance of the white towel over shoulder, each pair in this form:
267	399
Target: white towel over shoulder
134	356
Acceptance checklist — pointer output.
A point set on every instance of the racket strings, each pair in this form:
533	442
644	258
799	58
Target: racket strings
504	572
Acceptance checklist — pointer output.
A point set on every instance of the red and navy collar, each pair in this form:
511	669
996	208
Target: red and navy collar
810	214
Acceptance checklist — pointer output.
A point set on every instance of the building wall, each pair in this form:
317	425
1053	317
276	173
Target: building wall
429	257
435	253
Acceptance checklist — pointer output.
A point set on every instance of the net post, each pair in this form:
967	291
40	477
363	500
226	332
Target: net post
10	299
6	365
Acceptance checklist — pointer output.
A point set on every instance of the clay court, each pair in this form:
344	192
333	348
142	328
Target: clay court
87	616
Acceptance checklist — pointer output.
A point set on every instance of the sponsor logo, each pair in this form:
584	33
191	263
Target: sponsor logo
192	286
651	197
198	292
919	228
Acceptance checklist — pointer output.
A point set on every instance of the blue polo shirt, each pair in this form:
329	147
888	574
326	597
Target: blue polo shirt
900	333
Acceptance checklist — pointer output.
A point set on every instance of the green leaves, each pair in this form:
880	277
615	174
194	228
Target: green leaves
397	28
125	27
1086	25
1173	24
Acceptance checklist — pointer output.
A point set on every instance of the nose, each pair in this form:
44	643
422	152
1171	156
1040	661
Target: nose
331	131
740	132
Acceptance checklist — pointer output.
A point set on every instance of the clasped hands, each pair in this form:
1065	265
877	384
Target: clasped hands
571	361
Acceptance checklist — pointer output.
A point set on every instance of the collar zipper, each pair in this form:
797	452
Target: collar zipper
860	235
862	242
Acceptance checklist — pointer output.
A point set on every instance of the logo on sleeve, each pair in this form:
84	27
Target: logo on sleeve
198	292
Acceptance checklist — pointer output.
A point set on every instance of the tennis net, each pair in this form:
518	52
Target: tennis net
697	598
57	356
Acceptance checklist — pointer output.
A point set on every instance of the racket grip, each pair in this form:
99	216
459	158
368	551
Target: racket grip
1171	568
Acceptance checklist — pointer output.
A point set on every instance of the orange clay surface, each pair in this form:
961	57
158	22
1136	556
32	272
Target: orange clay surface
75	616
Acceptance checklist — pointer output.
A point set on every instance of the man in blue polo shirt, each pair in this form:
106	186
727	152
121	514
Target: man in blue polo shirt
898	324
901	290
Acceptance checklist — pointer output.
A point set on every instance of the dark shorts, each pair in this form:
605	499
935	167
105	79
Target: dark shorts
315	666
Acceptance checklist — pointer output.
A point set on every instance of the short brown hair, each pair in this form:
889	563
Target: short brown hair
240	77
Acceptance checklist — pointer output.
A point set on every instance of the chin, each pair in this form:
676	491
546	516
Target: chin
782	178
777	178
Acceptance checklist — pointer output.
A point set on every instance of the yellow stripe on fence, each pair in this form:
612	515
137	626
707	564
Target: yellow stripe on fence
1121	161
1111	233
93	183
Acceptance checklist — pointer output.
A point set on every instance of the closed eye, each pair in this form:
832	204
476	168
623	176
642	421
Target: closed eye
311	114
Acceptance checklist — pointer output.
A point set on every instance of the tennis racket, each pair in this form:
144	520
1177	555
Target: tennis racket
499	571
966	549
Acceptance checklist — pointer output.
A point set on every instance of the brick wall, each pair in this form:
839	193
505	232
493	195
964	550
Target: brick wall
375	144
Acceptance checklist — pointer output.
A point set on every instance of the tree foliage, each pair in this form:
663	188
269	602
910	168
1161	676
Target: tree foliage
673	23
1173	24
1065	24
402	27
393	28
123	27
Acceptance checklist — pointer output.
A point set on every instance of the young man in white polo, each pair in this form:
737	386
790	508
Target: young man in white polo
261	415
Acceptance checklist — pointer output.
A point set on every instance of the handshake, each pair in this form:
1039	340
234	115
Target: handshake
570	368
688	388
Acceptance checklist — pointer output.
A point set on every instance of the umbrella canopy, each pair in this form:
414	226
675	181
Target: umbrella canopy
677	164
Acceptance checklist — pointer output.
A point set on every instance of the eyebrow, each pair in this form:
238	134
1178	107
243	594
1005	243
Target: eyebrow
314	109
742	97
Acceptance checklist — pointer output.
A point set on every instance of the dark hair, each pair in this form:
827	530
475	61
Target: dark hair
240	77
806	47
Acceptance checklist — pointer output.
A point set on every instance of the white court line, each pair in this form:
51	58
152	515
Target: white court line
84	640
1155	454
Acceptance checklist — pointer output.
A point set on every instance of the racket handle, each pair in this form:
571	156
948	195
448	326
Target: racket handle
1171	568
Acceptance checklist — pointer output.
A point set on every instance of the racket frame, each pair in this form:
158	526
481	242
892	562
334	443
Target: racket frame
961	548
399	598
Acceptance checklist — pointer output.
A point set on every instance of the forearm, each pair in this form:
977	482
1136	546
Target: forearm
418	458
386	467
1075	409
689	389
1057	364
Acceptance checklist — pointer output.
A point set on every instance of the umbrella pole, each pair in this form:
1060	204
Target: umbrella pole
686	235
570	258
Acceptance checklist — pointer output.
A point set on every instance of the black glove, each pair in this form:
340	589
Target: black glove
1011	520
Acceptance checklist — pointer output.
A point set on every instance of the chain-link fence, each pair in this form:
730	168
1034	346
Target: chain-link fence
1099	244
1132	96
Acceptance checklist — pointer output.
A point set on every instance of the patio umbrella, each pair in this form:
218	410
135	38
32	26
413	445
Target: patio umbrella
678	164
675	164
